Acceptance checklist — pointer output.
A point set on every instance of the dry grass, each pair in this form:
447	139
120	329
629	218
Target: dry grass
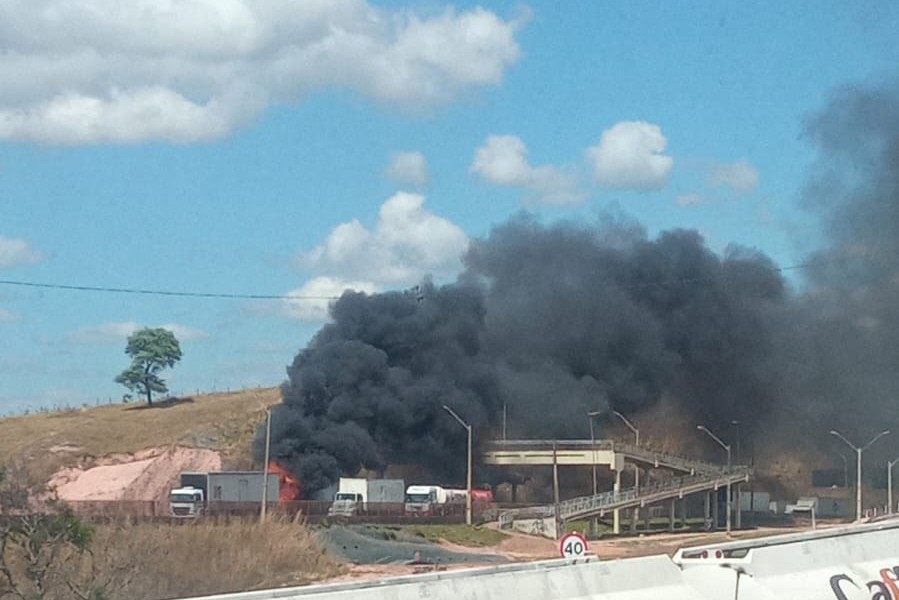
225	422
162	560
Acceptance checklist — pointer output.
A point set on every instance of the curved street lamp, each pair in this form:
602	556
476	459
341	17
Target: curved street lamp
858	466
890	484
727	448
468	475
636	443
590	415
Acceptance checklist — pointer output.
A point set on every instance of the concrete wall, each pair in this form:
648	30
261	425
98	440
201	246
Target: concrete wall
544	527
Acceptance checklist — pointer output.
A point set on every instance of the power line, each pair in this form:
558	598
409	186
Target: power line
182	294
115	290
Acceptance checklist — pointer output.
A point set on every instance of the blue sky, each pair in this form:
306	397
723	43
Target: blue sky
281	147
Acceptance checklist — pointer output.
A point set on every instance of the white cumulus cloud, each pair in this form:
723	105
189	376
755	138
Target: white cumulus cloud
741	176
503	160
119	331
15	252
630	156
103	71
312	301
408	168
407	243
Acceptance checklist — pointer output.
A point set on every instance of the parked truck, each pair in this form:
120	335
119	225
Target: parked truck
357	495
200	493
430	500
425	500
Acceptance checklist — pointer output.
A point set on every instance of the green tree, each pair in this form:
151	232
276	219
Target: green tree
151	350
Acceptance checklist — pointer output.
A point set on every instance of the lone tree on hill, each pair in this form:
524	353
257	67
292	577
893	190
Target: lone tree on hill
151	350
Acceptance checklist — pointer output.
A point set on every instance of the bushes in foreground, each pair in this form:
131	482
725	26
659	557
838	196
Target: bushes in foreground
209	556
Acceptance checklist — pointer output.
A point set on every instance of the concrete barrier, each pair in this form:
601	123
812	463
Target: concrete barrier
843	563
646	578
846	563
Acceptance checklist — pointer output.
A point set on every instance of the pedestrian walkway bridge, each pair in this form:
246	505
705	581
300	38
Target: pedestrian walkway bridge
608	502
695	476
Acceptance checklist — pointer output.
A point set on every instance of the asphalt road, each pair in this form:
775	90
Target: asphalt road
369	546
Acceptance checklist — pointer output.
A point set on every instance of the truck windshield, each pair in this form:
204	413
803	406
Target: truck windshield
351	497
418	497
185	498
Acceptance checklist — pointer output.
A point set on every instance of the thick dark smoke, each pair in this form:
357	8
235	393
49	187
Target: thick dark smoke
549	322
840	346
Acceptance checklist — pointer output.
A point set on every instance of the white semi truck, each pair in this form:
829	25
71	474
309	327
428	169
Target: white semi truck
355	495
200	493
425	500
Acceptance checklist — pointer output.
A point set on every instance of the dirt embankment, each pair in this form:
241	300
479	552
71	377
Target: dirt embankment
147	475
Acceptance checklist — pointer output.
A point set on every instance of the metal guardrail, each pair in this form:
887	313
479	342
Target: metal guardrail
647	494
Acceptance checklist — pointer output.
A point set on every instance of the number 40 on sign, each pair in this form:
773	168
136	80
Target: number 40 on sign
573	545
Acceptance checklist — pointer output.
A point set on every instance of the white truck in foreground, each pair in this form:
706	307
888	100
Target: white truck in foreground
200	493
357	495
425	500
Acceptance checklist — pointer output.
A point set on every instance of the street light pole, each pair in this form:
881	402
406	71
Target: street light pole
737	454
468	475
858	466
590	415
268	443
727	448
890	485
637	443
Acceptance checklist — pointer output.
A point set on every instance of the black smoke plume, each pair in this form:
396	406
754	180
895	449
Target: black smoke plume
839	342
549	322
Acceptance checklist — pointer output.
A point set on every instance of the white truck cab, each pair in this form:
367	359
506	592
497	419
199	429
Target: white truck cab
186	502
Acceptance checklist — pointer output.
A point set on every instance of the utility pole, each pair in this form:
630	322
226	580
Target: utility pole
268	443
727	448
504	421
468	475
858	466
890	485
590	415
636	443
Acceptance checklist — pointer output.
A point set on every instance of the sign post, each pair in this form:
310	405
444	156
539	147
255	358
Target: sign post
573	545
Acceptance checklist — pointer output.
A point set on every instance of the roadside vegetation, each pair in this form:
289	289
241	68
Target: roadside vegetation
209	556
462	535
49	553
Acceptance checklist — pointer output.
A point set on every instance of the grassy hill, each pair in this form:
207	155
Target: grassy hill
223	421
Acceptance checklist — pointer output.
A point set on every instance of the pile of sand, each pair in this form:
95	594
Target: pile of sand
146	475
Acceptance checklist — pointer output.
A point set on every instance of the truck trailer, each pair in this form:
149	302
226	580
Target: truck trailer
200	493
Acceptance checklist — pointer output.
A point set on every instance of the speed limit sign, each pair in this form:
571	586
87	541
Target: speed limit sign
573	545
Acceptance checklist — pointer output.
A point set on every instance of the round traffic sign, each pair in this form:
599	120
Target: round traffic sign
573	545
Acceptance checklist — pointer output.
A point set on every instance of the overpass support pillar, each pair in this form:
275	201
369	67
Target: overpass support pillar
739	515
715	510
707	510
616	518
672	514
